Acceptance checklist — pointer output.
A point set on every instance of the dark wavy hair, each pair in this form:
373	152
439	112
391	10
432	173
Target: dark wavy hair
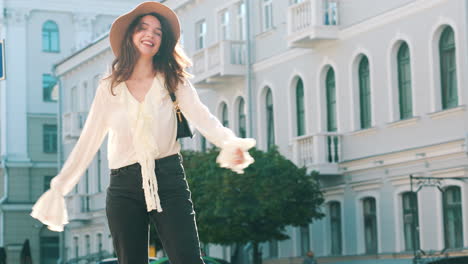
170	60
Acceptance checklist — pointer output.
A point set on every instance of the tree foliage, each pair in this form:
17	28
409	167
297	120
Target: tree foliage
256	206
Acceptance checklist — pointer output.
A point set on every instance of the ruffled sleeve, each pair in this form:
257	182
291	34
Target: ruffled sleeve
209	126
50	208
227	155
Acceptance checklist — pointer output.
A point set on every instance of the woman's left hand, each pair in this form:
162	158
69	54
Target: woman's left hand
239	157
234	154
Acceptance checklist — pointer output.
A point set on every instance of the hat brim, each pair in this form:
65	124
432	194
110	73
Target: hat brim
120	25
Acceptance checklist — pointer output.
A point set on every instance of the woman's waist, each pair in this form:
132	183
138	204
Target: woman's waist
135	166
119	158
168	171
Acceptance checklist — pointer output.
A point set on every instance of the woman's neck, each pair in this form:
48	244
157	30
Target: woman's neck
143	69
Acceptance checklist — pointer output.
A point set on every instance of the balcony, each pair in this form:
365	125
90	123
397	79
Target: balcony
79	207
222	61
73	122
312	21
320	152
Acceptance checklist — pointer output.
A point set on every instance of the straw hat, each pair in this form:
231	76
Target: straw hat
120	25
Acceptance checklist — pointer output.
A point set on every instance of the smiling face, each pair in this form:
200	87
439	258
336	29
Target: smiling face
147	36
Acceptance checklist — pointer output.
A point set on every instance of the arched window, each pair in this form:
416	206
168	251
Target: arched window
448	69
331	100
404	82
365	93
410	220
370	224
335	228
76	245
453	220
224	114
242	119
50	37
99	243
88	245
270	119
300	108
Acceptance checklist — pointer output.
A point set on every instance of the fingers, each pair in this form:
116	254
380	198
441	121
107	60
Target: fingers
239	159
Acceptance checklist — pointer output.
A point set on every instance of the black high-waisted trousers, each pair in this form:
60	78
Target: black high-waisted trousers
128	218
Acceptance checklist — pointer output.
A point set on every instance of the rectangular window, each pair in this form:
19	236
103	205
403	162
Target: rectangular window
76	246
49	250
370	225
410	221
273	248
49	140
47	180
87	181
224	25
453	217
85	198
84	98
305	240
74	99
335	228
201	34
203	144
330	13
267	12
241	34
88	245
99	243
48	83
98	170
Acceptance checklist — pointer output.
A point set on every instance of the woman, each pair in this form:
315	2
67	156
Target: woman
133	106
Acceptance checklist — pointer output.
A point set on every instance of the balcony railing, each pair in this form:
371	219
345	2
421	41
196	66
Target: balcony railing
223	60
79	205
73	123
321	152
312	21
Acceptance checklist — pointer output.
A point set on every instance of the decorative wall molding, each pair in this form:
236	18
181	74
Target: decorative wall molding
17	16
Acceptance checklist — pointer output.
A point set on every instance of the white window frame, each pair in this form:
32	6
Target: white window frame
224	24
241	30
267	15
200	34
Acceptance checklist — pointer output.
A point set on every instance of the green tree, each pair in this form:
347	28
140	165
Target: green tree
254	207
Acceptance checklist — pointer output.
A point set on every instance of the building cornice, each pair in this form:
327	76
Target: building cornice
98	7
90	52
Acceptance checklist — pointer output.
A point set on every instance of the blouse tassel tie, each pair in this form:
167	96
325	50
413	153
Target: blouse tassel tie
146	150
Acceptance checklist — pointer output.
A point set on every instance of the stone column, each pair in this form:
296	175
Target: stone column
14	96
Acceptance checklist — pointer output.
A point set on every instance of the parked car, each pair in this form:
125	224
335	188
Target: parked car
450	260
114	260
207	260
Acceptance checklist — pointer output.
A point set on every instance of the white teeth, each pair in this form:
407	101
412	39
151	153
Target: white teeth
148	43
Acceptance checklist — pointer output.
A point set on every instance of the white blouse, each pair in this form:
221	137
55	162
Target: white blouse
138	133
